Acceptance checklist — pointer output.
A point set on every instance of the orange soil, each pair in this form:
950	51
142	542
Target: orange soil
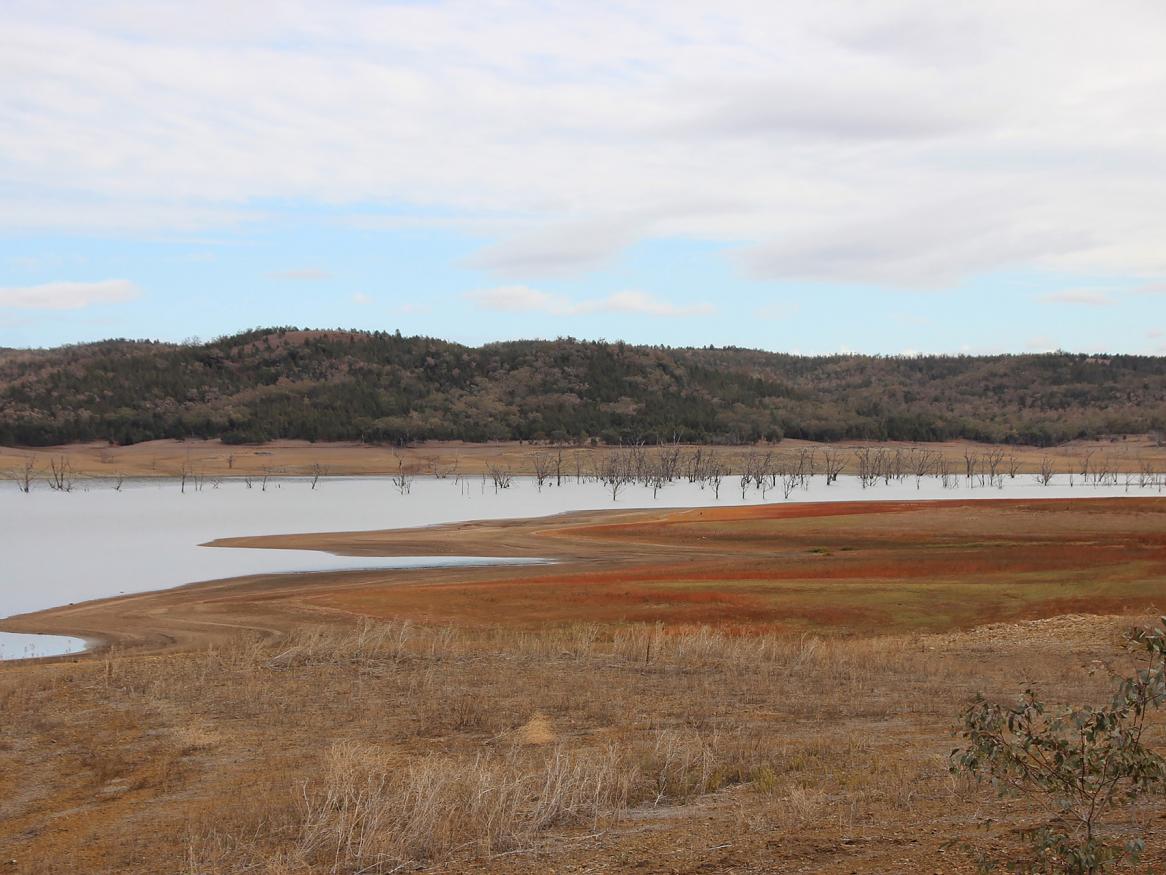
1002	559
854	567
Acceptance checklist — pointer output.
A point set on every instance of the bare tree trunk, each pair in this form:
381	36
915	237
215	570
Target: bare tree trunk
24	483
1046	472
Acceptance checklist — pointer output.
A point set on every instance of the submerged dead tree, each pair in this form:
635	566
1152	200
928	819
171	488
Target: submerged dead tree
1045	474
25	477
616	471
60	478
500	474
403	479
835	463
543	464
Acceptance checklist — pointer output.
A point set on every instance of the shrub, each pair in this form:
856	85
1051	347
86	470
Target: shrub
1085	763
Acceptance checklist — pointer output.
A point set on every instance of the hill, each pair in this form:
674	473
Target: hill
382	387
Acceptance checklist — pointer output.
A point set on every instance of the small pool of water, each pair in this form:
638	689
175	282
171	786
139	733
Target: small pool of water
15	645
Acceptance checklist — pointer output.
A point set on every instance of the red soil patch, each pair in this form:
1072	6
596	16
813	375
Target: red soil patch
1019	558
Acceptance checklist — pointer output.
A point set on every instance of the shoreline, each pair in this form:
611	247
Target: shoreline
624	566
213	458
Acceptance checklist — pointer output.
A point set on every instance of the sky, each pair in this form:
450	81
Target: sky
897	177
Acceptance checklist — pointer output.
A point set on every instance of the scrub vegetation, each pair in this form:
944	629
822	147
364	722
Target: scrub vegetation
379	387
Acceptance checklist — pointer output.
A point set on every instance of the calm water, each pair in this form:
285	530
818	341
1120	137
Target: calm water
13	645
93	542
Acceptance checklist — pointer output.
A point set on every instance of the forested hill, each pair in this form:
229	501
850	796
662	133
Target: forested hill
344	385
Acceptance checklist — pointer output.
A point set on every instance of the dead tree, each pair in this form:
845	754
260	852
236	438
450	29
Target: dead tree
921	465
696	466
714	473
669	462
317	470
500	474
542	468
994	457
867	467
1045	474
896	469
403	480
616	471
970	460
948	478
807	459
60	477
1085	465
1147	477
24	479
1106	472
657	478
835	462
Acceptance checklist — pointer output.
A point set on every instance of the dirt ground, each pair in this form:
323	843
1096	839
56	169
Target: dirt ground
214	459
758	689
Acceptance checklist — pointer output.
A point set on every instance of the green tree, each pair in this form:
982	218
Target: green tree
1084	763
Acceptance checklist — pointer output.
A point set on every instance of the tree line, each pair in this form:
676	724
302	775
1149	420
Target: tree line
387	388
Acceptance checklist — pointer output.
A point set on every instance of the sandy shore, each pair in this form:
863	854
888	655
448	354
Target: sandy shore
301	458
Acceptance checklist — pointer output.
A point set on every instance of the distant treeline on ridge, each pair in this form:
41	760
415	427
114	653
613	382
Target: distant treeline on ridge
382	387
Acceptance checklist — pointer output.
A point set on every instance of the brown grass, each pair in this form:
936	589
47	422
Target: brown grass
168	458
394	745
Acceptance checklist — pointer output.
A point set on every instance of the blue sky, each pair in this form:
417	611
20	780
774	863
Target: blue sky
820	178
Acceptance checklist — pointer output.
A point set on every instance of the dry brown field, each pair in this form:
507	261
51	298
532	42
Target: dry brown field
756	689
214	459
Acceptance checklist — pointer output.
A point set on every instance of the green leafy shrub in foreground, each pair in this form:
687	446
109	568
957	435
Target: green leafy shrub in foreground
1085	763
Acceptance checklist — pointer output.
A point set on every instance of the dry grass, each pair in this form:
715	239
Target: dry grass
212	458
393	745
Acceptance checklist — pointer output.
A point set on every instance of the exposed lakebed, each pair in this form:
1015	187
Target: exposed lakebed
95	541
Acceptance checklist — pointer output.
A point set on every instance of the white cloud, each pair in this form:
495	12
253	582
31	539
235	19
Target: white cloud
564	248
361	298
68	295
1084	297
523	299
904	143
301	274
642	302
516	299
